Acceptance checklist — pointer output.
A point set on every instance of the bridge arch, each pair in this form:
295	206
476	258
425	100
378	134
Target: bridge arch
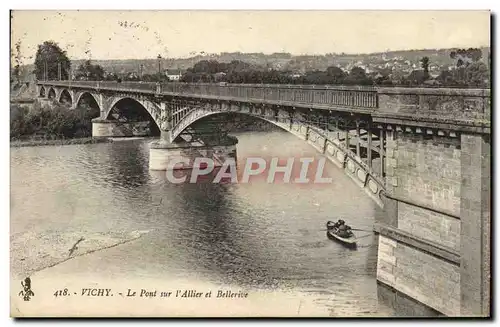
198	114
150	107
131	109
52	93
332	149
88	97
65	97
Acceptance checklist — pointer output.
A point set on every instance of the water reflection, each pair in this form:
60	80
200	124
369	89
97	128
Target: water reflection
125	167
210	235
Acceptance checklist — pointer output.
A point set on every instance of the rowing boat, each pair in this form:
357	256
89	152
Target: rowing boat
334	233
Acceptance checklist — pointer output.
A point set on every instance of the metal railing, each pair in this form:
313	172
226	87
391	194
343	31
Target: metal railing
319	96
358	97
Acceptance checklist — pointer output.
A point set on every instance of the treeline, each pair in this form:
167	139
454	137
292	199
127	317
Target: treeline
92	72
287	61
58	122
466	74
208	71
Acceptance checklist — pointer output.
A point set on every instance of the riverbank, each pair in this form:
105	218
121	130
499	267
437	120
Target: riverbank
55	247
42	142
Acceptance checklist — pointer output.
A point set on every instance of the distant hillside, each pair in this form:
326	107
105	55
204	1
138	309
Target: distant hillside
280	61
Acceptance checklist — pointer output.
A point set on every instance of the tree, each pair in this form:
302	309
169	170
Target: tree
446	77
152	78
16	71
89	72
425	66
49	55
478	74
110	76
464	57
357	76
475	54
132	77
336	74
416	77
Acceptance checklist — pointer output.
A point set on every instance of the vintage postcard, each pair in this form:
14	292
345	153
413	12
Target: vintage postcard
250	163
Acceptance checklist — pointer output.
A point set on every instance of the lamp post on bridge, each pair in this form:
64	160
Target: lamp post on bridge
159	67
192	53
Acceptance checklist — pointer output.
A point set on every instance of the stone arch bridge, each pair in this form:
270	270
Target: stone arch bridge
423	154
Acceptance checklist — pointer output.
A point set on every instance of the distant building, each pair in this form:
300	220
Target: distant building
132	75
173	74
219	76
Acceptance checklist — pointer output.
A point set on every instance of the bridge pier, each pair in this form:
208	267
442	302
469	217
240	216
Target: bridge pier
419	235
434	236
115	128
46	102
475	232
166	155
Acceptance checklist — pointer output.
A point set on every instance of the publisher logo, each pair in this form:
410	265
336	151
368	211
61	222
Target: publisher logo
26	293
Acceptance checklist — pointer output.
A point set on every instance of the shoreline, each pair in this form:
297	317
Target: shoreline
55	248
71	141
91	140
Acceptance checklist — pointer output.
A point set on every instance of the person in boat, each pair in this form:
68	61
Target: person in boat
339	223
345	230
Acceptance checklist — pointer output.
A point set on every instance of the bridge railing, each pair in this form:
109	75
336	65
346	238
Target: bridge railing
451	103
140	86
362	97
341	96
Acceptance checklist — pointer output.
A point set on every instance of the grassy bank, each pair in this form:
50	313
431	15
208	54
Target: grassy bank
40	142
35	125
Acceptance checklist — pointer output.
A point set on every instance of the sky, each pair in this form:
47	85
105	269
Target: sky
175	34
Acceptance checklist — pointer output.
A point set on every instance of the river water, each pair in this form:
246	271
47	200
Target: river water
256	236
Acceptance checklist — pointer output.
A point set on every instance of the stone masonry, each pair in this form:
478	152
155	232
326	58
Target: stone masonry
476	226
422	276
426	171
435	236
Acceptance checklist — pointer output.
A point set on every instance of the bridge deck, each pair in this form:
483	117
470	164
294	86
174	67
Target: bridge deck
464	106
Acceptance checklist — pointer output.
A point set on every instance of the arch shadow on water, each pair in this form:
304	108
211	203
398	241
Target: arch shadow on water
128	164
123	164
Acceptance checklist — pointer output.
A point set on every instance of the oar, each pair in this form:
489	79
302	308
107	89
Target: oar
362	230
364	236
